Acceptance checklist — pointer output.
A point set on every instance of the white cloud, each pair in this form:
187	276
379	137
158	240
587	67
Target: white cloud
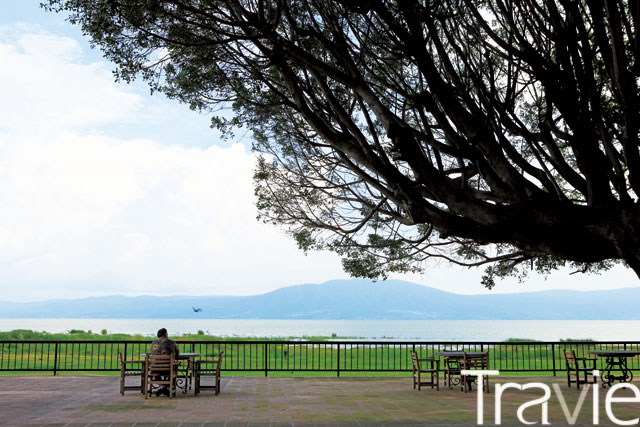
55	49
138	217
45	87
86	213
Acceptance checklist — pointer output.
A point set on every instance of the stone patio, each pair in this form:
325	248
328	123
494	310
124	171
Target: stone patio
299	401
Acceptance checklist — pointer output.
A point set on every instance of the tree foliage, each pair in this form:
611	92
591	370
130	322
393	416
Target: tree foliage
498	132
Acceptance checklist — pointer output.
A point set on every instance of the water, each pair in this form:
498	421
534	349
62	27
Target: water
410	330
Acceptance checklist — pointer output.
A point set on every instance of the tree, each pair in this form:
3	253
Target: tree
498	132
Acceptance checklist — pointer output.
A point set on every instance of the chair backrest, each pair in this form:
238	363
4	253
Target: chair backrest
570	358
219	364
476	361
159	362
452	362
123	366
205	365
414	361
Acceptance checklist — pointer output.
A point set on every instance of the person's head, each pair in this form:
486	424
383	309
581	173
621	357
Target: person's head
162	333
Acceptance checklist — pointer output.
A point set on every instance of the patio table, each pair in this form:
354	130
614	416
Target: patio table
187	371
616	360
452	375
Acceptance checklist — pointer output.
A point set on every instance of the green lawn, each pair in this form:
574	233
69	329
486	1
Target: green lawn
95	353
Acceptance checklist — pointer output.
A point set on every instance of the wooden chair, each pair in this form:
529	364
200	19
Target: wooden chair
474	361
131	368
161	370
574	369
207	368
452	367
433	371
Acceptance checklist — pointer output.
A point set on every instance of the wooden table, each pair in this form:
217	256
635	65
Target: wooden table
616	360
453	364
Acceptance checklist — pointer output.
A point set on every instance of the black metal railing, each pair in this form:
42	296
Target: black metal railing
300	356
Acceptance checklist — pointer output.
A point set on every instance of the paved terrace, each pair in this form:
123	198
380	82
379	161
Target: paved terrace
277	401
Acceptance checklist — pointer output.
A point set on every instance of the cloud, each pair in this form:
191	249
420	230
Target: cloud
133	216
45	87
89	212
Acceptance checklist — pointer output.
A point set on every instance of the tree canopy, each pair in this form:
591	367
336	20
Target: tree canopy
497	132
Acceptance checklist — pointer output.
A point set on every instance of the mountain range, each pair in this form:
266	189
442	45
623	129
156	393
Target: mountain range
347	299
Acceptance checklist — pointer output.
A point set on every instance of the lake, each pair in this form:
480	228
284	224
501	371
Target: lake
410	330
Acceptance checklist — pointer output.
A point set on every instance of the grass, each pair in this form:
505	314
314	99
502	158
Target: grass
86	352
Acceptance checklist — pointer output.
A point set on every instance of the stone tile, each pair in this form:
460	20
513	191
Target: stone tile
279	401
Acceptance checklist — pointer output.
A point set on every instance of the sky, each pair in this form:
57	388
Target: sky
105	189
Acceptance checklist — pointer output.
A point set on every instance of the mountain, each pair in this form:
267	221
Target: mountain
347	299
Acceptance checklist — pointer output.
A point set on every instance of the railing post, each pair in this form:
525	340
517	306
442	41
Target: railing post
553	358
55	360
266	358
338	367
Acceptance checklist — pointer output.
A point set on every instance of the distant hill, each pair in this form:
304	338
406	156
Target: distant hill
347	299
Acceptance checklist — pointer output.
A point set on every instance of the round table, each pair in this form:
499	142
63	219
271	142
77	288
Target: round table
615	360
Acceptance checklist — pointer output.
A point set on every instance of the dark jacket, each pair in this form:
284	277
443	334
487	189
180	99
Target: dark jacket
164	345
